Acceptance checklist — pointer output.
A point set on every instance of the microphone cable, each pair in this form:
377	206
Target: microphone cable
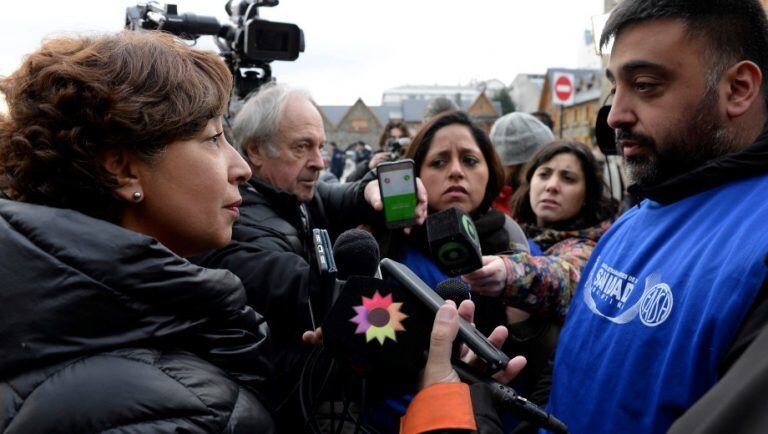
310	396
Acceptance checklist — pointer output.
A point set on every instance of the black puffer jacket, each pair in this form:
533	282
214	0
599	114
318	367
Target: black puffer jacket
271	253
105	330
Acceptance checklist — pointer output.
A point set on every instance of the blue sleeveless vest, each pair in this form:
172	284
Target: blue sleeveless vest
659	303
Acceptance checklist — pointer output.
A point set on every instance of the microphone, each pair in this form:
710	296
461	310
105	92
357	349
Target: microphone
381	328
453	289
507	398
325	267
495	359
453	241
356	253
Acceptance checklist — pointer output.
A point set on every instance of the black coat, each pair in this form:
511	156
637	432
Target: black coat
104	329
271	252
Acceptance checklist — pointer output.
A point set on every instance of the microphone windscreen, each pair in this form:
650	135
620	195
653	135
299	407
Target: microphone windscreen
453	241
453	289
356	253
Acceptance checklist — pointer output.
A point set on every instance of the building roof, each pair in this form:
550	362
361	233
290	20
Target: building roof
409	110
335	113
385	113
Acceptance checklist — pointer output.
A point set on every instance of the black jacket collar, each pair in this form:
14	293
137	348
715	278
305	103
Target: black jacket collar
749	162
272	194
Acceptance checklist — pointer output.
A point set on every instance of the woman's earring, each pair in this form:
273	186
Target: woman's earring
137	196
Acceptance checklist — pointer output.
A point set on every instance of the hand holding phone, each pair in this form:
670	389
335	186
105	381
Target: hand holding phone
397	185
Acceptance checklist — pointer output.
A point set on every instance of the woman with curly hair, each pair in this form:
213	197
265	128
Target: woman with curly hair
114	168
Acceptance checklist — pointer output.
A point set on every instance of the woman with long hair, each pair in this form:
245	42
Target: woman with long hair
563	209
455	160
457	164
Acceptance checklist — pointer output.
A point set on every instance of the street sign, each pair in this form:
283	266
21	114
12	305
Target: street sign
562	89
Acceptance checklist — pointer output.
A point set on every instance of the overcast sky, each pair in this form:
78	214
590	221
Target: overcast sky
358	48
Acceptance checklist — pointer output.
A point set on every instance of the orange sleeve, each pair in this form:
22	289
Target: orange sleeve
439	406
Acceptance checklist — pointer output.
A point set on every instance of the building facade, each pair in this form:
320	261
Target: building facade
576	122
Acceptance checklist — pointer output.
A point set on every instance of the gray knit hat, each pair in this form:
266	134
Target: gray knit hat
516	136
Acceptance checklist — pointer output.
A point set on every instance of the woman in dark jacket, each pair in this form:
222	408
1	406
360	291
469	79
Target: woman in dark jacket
459	168
114	168
456	162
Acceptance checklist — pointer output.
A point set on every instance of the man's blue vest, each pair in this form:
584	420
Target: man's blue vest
660	302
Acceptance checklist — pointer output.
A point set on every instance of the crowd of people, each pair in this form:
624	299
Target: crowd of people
159	273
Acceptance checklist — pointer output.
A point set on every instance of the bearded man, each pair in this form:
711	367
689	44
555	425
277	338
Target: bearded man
676	290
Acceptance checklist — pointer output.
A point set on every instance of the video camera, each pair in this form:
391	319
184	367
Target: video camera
396	147
247	46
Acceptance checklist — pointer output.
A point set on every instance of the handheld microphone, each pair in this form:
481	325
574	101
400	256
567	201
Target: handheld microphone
381	330
493	357
453	289
453	241
507	398
326	269
357	253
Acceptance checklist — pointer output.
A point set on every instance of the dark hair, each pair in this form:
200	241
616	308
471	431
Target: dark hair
420	145
597	206
735	30
391	125
75	98
544	117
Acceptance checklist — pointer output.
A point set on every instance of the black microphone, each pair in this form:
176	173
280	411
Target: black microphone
453	289
494	358
453	241
508	399
356	253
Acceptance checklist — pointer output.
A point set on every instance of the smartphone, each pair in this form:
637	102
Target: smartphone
397	184
494	358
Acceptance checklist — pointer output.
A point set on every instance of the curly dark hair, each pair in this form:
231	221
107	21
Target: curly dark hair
597	207
76	98
420	145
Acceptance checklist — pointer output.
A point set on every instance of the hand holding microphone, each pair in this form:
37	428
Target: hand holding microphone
490	279
439	368
389	347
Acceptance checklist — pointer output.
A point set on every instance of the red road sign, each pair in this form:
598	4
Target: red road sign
562	89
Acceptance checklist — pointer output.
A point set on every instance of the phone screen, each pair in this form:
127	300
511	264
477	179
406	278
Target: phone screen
398	192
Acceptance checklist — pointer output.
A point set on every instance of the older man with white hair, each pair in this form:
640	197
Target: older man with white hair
280	133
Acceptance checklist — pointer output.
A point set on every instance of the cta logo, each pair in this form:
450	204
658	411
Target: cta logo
615	295
656	305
